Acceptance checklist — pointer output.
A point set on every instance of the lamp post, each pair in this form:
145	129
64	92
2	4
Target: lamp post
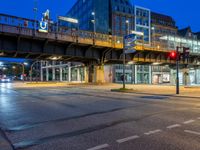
128	27
94	21
23	69
35	9
177	70
153	36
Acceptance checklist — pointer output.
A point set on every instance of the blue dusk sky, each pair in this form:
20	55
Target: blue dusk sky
185	12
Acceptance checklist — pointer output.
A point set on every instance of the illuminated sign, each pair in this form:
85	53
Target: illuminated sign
43	26
72	20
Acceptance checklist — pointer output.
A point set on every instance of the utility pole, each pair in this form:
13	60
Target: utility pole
124	63
177	71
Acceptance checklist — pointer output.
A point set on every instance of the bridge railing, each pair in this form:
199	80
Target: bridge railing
29	27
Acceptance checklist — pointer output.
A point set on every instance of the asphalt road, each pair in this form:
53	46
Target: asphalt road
83	118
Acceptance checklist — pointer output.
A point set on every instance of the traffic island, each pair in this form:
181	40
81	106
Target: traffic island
124	90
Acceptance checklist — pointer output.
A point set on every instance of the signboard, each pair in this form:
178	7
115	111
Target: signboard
43	26
72	20
129	42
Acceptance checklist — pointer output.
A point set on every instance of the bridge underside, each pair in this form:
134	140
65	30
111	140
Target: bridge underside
33	47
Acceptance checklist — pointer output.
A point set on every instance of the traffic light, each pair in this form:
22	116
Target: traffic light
186	53
173	55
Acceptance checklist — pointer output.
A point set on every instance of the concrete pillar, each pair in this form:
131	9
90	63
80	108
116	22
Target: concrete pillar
136	74
53	71
47	71
61	72
41	71
69	72
91	73
99	74
150	74
86	74
78	74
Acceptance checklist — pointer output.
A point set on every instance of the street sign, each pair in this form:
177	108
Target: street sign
129	42
43	26
129	51
130	38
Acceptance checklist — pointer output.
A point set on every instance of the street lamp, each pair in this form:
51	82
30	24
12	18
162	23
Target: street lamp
128	26
23	69
153	35
94	21
35	10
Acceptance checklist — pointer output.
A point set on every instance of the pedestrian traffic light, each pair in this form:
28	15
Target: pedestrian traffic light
173	55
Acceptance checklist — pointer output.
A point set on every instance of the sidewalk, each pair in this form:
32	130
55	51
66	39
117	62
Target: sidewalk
192	91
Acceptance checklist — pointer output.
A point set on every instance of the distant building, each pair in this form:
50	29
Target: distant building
120	17
162	25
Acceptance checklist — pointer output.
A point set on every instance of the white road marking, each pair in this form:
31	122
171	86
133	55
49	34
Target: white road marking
127	139
192	132
173	126
153	132
189	121
99	147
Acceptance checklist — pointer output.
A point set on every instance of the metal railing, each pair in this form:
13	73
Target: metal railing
26	27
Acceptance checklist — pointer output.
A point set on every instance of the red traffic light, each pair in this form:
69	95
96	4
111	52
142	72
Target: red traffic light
172	55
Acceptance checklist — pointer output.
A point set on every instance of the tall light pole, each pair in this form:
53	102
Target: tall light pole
153	36
94	21
23	69
35	10
177	70
128	27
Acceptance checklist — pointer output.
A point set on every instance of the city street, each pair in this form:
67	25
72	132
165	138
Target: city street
90	117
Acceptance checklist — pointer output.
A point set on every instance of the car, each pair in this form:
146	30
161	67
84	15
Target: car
5	80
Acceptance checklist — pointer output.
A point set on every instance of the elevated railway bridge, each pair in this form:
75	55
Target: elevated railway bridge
20	39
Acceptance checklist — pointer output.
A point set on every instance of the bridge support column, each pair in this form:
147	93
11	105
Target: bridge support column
99	74
69	72
47	71
95	74
61	73
78	74
41	71
53	71
86	74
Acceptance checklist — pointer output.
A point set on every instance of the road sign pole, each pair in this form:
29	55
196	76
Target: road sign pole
124	61
177	70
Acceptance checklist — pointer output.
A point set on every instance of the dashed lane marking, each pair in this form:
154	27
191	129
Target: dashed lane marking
173	126
189	121
127	139
153	132
192	132
99	147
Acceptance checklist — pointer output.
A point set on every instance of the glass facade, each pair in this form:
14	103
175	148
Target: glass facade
82	11
143	22
171	42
